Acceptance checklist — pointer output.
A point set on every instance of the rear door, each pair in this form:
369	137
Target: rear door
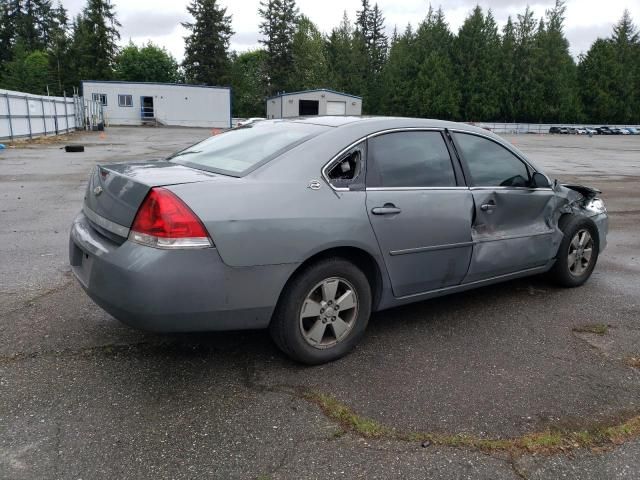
512	228
419	210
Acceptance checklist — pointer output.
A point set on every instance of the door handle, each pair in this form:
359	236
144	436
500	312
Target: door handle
387	209
487	207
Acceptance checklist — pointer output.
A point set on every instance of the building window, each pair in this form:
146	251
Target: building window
125	101
101	98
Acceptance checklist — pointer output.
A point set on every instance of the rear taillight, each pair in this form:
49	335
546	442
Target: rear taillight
165	221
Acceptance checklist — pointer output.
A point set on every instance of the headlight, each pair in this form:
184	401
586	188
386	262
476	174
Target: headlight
595	206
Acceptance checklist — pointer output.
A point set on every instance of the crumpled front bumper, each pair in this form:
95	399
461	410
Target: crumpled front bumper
602	222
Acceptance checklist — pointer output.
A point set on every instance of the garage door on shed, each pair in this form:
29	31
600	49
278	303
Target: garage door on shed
336	108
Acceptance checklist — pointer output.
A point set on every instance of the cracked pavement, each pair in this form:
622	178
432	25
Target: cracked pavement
82	396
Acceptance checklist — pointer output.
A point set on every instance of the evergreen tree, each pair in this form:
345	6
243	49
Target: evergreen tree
206	57
626	75
278	26
94	44
27	72
363	20
399	75
59	52
476	60
309	69
556	72
249	83
148	63
435	90
610	76
370	38
597	85
370	24
377	50
29	22
507	69
377	41
9	13
526	92
344	67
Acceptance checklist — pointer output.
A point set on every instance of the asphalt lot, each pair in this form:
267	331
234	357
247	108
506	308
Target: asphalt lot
84	397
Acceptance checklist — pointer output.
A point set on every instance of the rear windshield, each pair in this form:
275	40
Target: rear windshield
238	151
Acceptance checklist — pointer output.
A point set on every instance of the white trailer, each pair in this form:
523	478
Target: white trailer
137	103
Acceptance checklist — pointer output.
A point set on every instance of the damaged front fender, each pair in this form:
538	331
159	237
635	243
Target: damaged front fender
582	200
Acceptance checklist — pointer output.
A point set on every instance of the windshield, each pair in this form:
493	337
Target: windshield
238	151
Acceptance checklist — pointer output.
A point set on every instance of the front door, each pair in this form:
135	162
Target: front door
420	215
513	229
146	108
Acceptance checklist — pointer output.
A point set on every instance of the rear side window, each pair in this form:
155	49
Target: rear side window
409	159
240	150
348	169
490	164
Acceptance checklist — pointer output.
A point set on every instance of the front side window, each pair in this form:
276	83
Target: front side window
490	164
101	98
125	100
240	150
409	159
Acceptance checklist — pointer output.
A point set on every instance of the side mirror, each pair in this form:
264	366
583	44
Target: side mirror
540	181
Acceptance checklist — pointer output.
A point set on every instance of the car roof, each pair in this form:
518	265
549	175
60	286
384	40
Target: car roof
383	122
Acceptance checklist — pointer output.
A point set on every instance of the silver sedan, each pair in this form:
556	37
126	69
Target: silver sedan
307	226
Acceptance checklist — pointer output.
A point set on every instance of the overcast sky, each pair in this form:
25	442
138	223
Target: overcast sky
159	20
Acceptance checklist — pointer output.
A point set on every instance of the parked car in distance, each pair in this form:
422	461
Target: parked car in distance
581	131
633	131
625	131
591	131
605	131
308	226
559	130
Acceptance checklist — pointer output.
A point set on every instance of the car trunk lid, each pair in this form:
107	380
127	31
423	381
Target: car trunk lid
115	192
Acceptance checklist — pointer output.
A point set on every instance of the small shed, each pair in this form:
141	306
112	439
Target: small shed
137	103
313	102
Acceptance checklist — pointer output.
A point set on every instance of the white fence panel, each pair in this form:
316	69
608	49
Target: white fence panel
23	115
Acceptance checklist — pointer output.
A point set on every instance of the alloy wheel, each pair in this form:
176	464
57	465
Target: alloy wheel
580	252
328	312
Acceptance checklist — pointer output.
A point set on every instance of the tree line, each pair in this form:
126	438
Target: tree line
520	72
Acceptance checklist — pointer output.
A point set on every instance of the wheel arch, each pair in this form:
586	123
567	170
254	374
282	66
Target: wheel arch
566	217
364	260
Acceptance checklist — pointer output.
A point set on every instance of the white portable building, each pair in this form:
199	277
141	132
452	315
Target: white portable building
136	103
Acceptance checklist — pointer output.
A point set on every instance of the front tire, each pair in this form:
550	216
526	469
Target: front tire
323	312
578	252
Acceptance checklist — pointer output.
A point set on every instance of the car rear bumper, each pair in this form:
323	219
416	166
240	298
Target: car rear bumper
172	290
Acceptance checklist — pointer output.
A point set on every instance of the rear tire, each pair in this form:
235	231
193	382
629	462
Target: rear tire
578	252
323	312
